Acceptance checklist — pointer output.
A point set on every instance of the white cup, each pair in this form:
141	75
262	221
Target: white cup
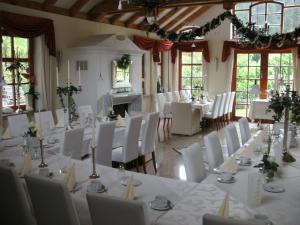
95	185
44	172
227	176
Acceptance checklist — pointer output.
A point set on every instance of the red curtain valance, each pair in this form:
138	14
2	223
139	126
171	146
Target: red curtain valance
191	47
156	46
228	45
28	27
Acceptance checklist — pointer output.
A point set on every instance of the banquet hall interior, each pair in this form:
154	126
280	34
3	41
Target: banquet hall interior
149	112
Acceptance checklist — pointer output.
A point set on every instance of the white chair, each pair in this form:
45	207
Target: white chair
232	139
214	150
14	205
244	129
164	110
51	201
169	97
109	210
183	94
85	112
193	163
129	151
62	117
47	121
209	219
18	124
185	119
73	143
176	96
226	107
147	145
214	113
221	109
104	143
231	104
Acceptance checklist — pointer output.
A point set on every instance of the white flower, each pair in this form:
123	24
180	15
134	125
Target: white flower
264	151
271	159
32	125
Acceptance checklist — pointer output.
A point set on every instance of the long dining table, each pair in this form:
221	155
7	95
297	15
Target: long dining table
190	200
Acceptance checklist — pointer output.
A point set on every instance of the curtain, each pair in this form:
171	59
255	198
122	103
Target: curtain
153	84
229	71
1	76
44	68
296	62
167	71
205	66
175	74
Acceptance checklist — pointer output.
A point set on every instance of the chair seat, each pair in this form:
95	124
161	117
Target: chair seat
117	154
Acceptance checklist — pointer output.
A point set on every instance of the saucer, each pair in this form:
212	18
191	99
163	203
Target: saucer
160	203
221	180
135	182
273	188
100	190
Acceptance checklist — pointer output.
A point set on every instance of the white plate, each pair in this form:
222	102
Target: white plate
221	180
100	190
135	182
274	188
157	205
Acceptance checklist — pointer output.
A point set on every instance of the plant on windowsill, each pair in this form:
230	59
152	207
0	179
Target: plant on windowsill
32	96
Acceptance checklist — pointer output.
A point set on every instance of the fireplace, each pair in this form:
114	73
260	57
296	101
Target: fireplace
120	109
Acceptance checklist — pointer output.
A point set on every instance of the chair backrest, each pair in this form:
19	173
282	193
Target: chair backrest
183	94
150	130
169	96
104	208
180	109
62	116
176	96
244	129
18	124
227	101
85	109
14	204
161	102
131	141
222	104
232	139
104	143
47	121
51	201
193	163
209	219
216	106
231	101
214	150
86	114
73	143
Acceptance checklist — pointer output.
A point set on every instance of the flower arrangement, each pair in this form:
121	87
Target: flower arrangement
32	130
124	62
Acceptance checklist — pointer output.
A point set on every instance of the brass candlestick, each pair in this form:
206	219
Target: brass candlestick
94	174
43	164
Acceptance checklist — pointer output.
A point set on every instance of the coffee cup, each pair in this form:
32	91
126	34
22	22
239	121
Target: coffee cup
227	176
44	172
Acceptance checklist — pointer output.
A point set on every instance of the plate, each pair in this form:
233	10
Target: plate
100	190
135	182
221	180
160	203
274	188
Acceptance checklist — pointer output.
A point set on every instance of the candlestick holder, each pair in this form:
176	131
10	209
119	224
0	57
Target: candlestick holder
94	174
43	164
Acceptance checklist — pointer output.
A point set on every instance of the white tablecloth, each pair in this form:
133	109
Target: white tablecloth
203	107
258	109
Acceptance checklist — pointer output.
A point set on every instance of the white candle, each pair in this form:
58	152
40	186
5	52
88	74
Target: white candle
79	76
93	135
69	83
57	78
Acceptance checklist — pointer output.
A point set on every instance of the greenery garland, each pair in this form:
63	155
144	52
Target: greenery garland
252	37
124	62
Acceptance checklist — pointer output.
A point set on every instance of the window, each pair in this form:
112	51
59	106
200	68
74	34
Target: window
15	48
190	71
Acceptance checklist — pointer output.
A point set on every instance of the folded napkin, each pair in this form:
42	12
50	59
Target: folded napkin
6	134
126	115
70	178
128	193
224	208
230	165
26	166
120	121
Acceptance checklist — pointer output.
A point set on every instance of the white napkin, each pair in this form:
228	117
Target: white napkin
120	121
224	208
6	134
254	189
26	166
230	165
129	191
126	115
70	178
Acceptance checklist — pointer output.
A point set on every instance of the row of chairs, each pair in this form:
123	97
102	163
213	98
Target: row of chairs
193	155
221	110
52	204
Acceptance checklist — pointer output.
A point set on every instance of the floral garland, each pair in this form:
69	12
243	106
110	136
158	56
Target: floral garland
124	62
252	37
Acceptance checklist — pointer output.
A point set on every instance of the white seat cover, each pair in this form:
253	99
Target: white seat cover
214	150
73	143
109	210
150	130
14	205
18	124
47	121
216	106
209	219
62	116
104	143
227	102
222	105
85	112
176	96
193	162
244	129
232	139
169	97
231	101
51	201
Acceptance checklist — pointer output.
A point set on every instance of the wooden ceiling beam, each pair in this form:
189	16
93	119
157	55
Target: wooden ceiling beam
115	19
133	18
48	3
77	6
171	13
179	17
192	17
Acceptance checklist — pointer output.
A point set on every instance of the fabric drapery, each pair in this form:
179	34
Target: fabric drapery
191	47
296	63
156	46
229	45
28	27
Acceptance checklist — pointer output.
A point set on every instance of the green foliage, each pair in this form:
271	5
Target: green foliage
33	93
65	91
124	62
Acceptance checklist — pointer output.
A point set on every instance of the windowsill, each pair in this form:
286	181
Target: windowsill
14	113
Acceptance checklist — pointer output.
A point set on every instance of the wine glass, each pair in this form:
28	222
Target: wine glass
121	172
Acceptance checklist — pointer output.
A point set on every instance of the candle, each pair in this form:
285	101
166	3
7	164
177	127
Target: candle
69	83
57	78
93	135
79	76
